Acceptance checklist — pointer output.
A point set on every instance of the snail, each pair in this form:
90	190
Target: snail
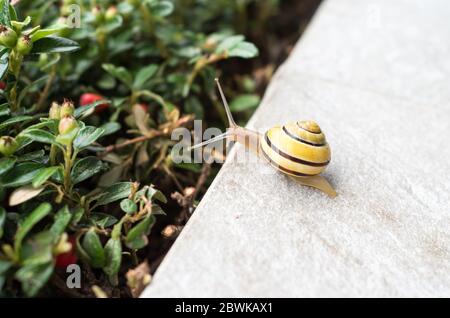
297	149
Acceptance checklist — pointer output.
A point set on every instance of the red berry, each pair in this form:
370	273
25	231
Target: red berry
65	259
89	98
2	85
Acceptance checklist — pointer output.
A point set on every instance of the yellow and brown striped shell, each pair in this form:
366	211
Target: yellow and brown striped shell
297	148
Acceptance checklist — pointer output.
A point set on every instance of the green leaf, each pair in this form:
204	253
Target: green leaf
115	192
62	220
244	102
119	72
43	175
86	136
161	8
4	13
113	256
6	164
85	168
229	43
103	220
54	44
2	223
245	50
144	75
37	250
86	109
137	236
4	64
128	206
110	128
36	156
21	174
153	194
48	31
31	220
93	247
67	138
39	135
4	110
14	120
34	277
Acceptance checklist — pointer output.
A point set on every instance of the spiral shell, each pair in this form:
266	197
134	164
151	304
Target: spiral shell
297	148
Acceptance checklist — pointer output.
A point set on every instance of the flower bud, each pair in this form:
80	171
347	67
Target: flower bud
111	13
8	37
24	45
8	145
98	14
67	108
55	111
67	124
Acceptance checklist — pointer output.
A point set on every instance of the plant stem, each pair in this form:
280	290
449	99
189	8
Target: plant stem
68	168
45	92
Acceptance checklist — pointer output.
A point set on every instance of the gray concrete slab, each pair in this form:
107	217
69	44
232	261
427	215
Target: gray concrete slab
384	107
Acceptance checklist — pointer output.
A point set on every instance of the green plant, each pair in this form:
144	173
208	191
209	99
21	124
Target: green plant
78	180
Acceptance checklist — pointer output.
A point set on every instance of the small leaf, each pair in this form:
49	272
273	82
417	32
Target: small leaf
6	164
103	220
4	109
66	139
93	247
244	102
34	277
85	168
39	135
31	220
245	50
119	72
54	44
153	194
110	128
43	175
86	136
137	236
115	192
48	31
62	220
87	109
20	174
229	43
144	75
113	256
14	120
2	223
128	206
161	8
141	119
36	156
22	194
5	13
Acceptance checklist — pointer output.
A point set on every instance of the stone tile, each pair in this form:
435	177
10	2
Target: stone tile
399	48
258	234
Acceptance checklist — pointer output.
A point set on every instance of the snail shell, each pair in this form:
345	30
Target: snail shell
298	148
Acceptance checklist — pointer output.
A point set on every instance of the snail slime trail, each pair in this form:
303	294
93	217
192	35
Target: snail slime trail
187	308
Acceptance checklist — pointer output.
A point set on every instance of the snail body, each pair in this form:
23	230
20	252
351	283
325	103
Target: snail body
297	149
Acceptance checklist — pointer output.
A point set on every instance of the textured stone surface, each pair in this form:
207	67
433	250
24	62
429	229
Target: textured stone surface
375	75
